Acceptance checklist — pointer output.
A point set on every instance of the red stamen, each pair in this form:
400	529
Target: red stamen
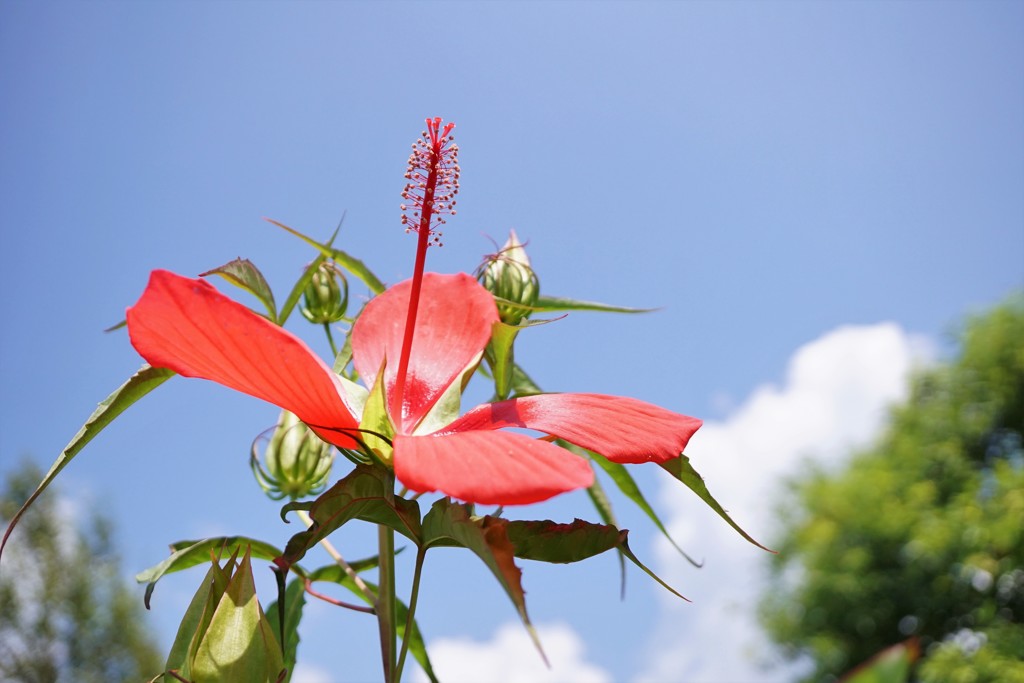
433	182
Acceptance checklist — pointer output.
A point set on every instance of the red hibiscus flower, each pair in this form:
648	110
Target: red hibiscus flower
188	326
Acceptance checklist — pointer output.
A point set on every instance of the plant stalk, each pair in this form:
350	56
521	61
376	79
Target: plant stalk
387	618
410	622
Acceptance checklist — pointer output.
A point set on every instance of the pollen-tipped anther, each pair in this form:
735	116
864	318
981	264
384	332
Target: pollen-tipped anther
433	173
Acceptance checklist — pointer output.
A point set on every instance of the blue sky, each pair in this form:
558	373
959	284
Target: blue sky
771	175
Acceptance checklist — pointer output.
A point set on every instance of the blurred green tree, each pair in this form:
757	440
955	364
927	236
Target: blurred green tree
923	533
66	613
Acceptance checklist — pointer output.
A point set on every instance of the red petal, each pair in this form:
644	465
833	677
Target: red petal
453	325
490	468
188	326
621	429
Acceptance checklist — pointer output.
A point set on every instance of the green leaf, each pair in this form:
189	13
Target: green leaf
298	289
557	303
547	541
186	554
501	356
417	646
604	508
138	385
239	644
344	356
891	665
633	558
450	524
681	469
375	421
360	495
624	480
522	385
332	573
295	600
300	286
242	273
550	542
349	263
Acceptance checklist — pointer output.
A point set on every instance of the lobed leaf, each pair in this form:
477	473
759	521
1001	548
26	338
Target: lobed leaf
451	524
360	495
548	541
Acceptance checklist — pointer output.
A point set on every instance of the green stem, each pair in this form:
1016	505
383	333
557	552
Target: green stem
386	604
410	622
330	338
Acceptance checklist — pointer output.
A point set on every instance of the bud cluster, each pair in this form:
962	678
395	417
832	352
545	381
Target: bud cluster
432	180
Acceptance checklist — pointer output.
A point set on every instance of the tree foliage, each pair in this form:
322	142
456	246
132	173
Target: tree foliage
66	613
922	534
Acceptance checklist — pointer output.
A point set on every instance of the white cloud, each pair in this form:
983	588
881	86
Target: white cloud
510	657
305	673
835	397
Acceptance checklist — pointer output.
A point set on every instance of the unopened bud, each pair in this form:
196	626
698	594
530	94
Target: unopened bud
295	464
325	298
508	276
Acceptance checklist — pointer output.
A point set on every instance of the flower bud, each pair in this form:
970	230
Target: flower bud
325	298
296	463
508	276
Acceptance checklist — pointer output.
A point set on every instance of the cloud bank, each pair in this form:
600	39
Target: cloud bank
509	657
835	398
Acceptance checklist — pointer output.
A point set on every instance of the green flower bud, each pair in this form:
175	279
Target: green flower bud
233	641
325	298
296	463
508	276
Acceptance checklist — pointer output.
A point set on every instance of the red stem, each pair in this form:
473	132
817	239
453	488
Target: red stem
398	394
